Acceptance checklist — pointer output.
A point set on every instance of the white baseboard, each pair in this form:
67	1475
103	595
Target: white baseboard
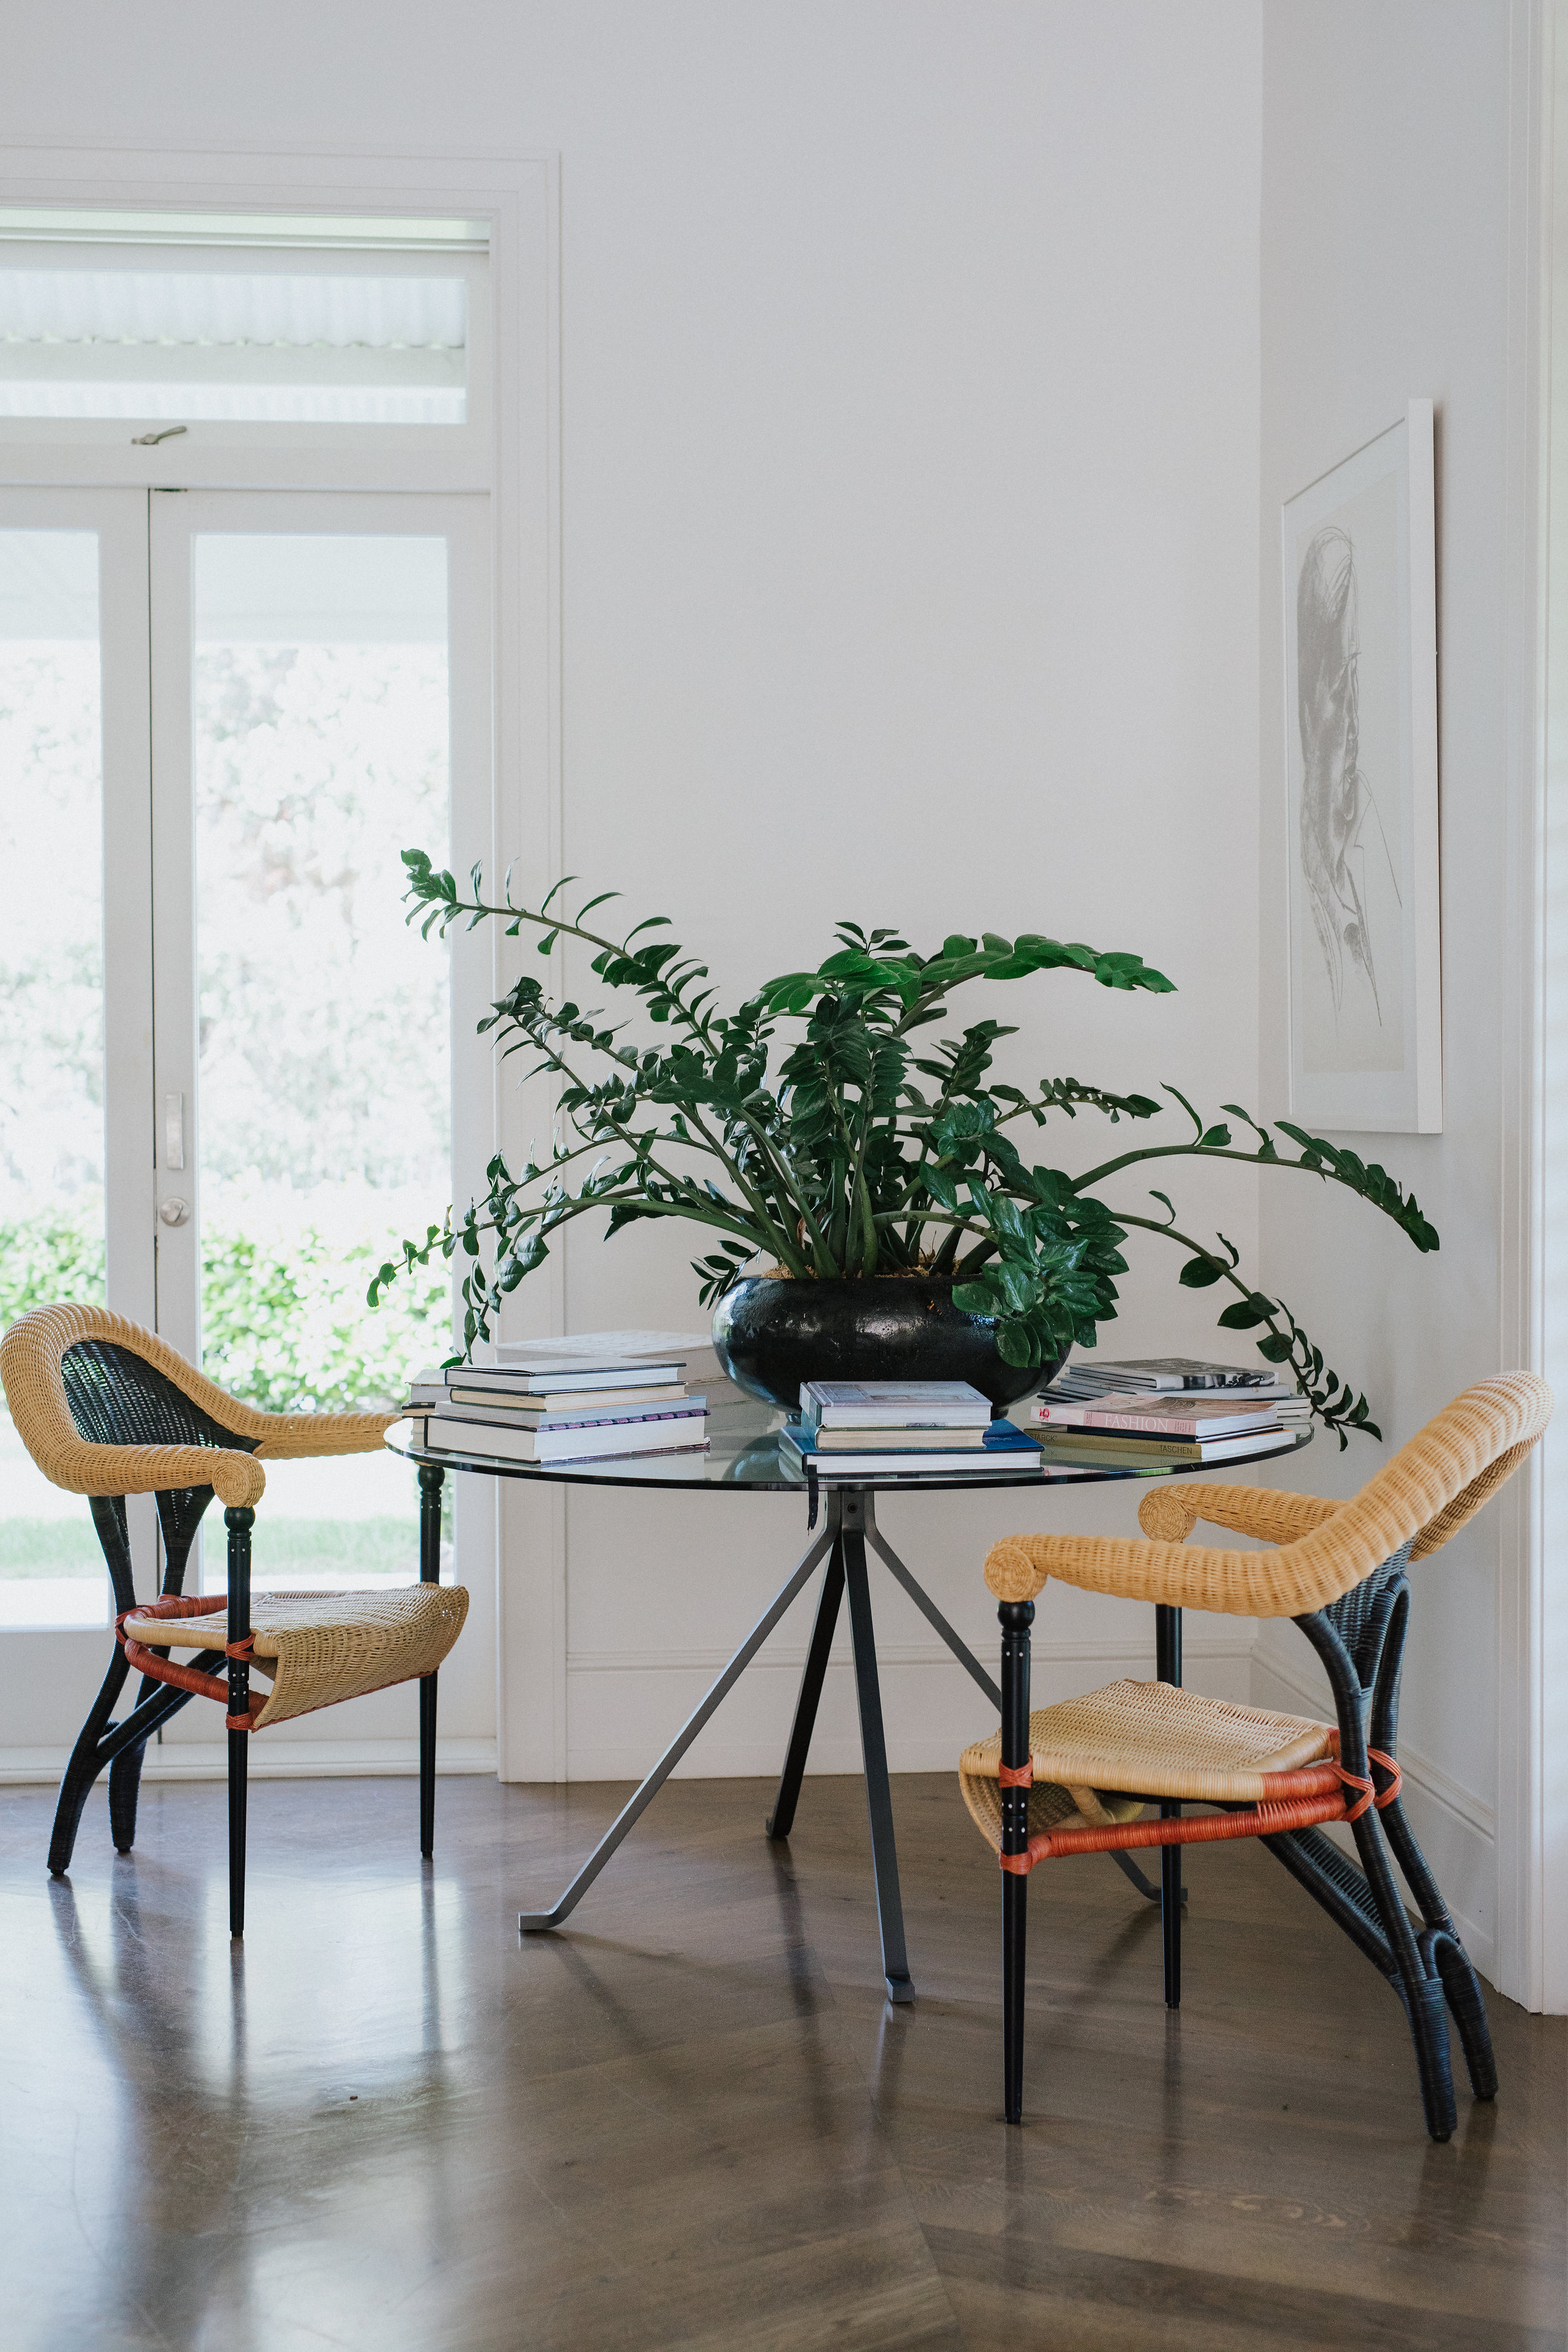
296	1759
623	1710
1454	1827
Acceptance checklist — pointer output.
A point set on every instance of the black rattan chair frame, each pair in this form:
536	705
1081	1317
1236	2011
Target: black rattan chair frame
1360	1641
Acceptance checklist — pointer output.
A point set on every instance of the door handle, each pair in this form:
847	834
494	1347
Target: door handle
175	1213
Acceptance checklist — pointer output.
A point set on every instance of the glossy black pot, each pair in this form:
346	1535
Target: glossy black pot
772	1334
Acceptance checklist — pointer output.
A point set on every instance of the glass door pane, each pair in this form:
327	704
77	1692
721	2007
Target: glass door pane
52	1224
319	751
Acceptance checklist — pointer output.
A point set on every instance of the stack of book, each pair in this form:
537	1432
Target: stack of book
548	1411
900	1429
586	1349
1087	1378
1163	1414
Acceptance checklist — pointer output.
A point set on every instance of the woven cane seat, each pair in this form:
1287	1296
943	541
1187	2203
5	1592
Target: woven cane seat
320	1647
1091	1754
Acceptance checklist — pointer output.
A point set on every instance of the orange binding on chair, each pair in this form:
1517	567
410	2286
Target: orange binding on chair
160	1668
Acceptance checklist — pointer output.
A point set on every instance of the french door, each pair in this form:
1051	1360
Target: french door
227	1083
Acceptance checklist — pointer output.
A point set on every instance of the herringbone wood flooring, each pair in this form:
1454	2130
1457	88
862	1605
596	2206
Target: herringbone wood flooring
691	2120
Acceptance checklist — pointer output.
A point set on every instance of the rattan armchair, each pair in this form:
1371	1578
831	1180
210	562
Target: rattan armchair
1079	1778
109	1410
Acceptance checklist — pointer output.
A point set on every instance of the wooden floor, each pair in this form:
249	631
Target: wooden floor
690	2119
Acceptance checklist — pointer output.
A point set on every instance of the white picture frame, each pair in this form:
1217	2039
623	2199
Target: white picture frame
1358	555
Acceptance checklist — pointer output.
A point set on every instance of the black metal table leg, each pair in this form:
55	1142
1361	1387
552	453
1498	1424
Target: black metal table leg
781	1819
529	1921
874	1750
432	1478
1168	1667
972	1665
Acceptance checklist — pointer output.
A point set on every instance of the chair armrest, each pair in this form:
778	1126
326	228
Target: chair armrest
1431	1487
1180	1576
1300	1576
289	1436
74	1463
1167	1570
1171	1512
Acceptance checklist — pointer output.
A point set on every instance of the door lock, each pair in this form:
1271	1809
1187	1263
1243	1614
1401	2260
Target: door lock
175	1213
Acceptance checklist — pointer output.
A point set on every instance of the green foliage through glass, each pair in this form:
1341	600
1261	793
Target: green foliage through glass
285	1324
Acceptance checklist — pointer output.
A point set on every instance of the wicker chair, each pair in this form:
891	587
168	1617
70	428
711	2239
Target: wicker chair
108	1410
1076	1779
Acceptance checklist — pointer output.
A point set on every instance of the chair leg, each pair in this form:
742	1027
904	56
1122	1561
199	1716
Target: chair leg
1443	1953
82	1770
432	1478
238	1520
238	1744
1168	1667
427	1765
125	1780
1170	1911
124	1789
1016	1617
1448	1958
1428	2014
1014	1940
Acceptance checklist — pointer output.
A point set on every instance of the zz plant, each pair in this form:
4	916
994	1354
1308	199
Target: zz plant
819	1127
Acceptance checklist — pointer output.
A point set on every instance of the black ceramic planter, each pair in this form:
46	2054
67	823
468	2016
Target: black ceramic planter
772	1334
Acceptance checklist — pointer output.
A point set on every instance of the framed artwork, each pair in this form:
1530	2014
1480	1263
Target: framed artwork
1361	740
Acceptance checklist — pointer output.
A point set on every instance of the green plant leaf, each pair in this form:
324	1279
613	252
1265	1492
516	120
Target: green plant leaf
975	1298
1246	1312
1015	1344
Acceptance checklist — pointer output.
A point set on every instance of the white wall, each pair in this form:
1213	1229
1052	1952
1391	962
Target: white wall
910	439
1386	252
909	397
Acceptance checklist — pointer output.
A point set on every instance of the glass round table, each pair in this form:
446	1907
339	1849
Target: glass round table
745	1450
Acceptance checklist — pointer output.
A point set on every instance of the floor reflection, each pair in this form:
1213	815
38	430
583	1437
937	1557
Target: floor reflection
384	2126
211	2091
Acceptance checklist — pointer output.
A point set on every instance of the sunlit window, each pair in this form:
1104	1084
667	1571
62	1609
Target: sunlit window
321	729
51	1025
338	323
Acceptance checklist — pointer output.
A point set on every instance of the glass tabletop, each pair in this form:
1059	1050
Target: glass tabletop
744	1450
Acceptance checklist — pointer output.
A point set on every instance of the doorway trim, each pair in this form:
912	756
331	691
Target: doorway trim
520	197
1532	1851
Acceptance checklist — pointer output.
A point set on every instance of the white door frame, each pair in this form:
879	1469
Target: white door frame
175	523
52	1659
520	197
1532	1584
119	516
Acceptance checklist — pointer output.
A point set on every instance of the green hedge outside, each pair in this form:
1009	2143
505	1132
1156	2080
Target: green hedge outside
285	1549
284	1319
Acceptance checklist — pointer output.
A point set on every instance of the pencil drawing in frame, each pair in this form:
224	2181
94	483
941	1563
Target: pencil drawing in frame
1361	729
